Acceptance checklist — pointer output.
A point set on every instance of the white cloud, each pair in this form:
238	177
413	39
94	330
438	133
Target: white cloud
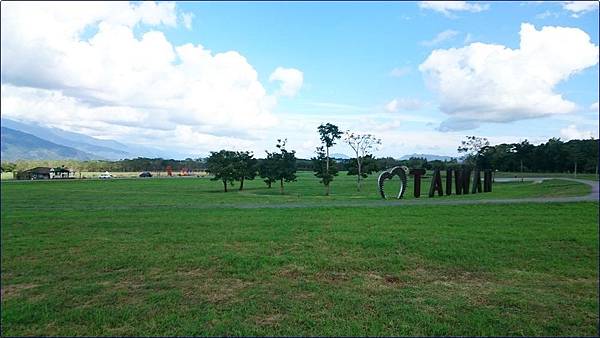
577	8
447	7
152	13
546	14
114	83
594	107
187	18
403	104
441	37
572	133
291	80
399	72
493	83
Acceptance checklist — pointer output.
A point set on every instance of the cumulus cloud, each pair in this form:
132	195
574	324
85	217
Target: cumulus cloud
493	83
403	104
448	7
441	37
291	80
573	133
594	107
577	8
114	82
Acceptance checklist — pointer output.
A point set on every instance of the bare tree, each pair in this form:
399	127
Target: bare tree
472	147
362	144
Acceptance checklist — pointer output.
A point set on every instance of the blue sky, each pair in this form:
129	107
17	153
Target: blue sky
361	65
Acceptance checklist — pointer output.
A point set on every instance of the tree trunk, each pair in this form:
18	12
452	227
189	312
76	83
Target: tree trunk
521	171
575	171
327	162
327	172
281	186
359	173
242	184
225	185
269	184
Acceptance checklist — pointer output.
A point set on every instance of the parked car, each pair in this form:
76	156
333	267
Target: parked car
145	174
105	175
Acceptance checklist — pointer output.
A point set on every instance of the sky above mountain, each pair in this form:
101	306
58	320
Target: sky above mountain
195	77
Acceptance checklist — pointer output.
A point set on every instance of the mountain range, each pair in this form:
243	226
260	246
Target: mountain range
428	157
30	141
16	145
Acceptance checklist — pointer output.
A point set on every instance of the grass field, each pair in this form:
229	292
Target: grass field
164	257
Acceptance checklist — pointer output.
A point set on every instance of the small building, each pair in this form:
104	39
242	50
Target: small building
37	173
61	172
45	173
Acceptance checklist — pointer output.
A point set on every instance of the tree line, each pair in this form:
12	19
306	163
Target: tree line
574	156
126	165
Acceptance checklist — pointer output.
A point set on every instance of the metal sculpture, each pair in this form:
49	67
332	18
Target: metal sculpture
476	181
417	175
436	184
401	172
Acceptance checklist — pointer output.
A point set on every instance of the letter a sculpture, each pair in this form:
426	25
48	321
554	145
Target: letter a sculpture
401	171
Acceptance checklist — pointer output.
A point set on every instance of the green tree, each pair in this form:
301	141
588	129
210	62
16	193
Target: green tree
328	133
285	164
222	165
362	145
322	169
244	167
523	152
8	166
369	166
267	168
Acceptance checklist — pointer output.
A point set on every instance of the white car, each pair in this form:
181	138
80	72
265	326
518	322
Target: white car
106	175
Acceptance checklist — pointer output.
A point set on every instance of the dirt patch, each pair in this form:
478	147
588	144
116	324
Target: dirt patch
291	271
196	273
375	280
11	291
269	320
332	277
447	285
215	291
394	280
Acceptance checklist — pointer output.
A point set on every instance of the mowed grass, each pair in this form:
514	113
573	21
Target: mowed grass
202	192
142	257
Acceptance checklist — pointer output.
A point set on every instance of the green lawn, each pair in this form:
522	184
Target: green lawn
202	192
156	257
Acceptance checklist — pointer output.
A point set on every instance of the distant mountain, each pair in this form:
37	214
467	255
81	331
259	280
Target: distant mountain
340	156
100	149
17	145
428	157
